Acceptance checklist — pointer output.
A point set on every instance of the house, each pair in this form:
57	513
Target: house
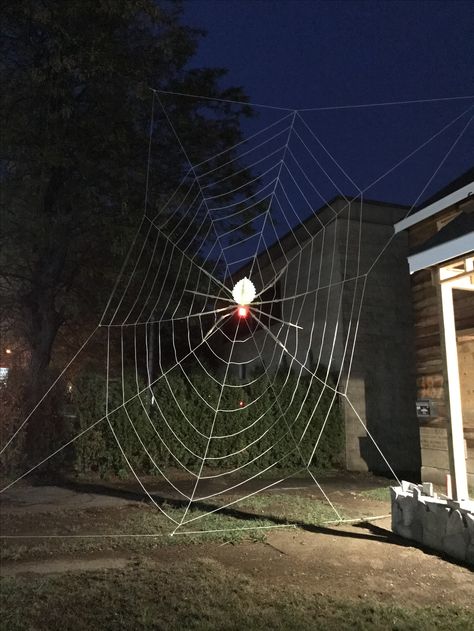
441	262
342	277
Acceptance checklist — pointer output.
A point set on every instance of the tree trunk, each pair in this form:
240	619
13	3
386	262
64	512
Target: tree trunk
44	321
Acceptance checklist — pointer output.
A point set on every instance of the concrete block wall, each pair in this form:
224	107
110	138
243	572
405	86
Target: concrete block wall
443	525
384	359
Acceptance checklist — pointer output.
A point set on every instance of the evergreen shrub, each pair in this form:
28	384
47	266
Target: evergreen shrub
172	430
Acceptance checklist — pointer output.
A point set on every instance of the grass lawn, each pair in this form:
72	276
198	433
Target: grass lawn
243	580
247	520
201	596
381	494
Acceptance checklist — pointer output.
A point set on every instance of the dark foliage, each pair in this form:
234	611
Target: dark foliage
172	432
75	109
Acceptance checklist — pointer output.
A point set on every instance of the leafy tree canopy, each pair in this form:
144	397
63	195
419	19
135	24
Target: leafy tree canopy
76	105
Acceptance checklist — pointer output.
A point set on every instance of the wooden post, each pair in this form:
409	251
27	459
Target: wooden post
454	393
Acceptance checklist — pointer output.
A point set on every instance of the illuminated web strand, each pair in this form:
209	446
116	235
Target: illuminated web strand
395	166
242	142
182	213
320	108
239	188
297	447
250	168
93	424
231	454
262	230
195	175
328	153
458	138
209	440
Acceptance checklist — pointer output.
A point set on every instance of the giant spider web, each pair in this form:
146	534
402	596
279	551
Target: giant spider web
254	382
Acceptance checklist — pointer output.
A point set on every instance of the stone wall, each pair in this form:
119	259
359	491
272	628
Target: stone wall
440	524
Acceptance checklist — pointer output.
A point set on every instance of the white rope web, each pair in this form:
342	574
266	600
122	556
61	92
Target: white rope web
248	375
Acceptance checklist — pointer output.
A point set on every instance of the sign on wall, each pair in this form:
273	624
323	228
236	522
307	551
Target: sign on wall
425	408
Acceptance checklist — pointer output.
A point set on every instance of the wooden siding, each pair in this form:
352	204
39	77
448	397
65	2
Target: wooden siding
430	368
430	377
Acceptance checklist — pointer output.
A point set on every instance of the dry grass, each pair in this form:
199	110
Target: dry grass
246	520
197	597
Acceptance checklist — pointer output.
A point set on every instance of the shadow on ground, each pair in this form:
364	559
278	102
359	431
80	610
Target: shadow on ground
242	514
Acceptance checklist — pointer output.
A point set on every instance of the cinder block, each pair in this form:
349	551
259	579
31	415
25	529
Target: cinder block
436	523
417	531
454	504
432	539
396	512
456	540
470	554
428	489
456	546
435	502
413	532
410	508
435	519
395	491
441	513
470	525
397	517
455	524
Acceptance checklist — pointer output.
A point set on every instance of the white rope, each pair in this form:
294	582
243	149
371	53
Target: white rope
320	108
176	278
22	425
151	535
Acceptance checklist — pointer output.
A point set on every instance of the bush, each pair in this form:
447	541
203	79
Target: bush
12	459
51	427
172	432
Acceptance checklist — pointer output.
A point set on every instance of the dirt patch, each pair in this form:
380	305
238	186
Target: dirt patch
341	487
347	562
355	563
41	499
60	566
362	562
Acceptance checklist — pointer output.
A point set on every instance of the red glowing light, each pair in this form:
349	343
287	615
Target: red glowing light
243	312
241	404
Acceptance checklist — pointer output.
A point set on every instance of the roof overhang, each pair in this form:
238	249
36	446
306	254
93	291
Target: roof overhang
435	207
441	253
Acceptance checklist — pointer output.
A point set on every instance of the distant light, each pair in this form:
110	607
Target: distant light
241	404
8	351
243	312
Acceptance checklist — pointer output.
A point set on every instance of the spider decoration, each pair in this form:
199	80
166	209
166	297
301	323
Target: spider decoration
243	295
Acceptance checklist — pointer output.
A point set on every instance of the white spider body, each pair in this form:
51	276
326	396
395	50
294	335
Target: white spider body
244	292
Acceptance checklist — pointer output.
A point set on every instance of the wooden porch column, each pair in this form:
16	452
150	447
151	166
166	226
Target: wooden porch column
455	406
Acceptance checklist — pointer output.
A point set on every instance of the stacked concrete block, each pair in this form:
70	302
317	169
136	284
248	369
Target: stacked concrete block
444	525
470	545
456	538
434	522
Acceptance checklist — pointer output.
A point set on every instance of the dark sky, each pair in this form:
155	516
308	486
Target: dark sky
306	53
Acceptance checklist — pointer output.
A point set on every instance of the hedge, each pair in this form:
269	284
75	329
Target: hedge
172	431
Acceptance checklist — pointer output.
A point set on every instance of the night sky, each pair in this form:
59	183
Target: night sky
307	54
